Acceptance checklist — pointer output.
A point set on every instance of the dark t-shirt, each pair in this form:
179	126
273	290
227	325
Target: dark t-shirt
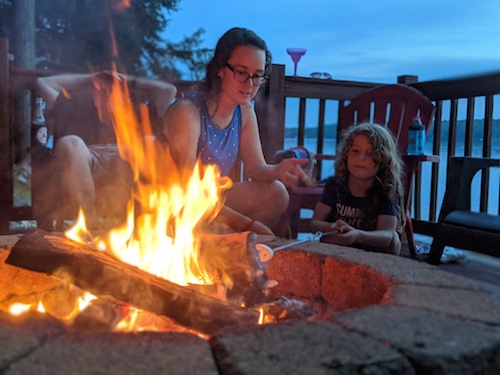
347	207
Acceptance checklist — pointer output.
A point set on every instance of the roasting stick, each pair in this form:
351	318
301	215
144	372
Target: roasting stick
266	252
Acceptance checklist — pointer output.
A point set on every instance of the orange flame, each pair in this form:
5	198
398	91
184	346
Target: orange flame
159	237
165	210
82	302
78	231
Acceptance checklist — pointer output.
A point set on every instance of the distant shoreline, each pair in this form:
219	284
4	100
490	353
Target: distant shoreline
330	131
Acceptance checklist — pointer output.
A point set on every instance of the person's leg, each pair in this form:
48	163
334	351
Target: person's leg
266	202
113	179
73	163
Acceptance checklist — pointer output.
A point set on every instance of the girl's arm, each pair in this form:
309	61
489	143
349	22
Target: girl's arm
383	239
288	171
382	236
318	222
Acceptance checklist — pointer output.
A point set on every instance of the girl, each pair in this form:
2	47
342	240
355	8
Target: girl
218	124
363	203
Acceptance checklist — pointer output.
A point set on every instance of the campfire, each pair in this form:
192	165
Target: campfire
168	258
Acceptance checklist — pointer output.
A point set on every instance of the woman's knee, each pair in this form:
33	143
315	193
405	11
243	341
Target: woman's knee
278	195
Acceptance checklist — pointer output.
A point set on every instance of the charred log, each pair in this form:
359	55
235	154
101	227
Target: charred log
103	275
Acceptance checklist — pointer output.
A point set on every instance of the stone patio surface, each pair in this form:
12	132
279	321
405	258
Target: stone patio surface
383	315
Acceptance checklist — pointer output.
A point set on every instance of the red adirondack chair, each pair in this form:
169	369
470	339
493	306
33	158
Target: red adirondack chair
393	106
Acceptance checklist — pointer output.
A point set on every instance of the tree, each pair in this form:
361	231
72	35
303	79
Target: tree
89	35
83	35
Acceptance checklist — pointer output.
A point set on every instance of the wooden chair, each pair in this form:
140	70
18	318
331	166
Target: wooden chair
457	225
393	106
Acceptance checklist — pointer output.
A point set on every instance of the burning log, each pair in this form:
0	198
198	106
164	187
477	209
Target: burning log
100	315
103	275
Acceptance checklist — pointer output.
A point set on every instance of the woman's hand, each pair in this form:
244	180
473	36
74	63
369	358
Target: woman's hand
290	172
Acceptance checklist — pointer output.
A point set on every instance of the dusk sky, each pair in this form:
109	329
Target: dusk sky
367	40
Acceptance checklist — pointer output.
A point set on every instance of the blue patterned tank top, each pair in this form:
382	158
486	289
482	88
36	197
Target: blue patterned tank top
218	146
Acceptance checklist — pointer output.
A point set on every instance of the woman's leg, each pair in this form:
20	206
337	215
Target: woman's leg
266	202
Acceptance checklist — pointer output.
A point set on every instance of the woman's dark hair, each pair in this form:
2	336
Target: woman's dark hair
232	39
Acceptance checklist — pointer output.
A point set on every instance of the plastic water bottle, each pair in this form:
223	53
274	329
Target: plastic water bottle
416	137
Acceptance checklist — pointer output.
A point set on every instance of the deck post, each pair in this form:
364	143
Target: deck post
270	109
6	177
407	79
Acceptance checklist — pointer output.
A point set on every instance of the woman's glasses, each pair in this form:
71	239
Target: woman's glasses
321	75
241	76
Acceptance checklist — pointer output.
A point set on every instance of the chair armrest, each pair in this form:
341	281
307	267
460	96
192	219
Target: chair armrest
461	171
412	163
324	157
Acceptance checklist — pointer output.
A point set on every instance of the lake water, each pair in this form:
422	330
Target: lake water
494	182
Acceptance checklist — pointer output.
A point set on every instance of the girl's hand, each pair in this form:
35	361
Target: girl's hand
290	172
344	235
341	227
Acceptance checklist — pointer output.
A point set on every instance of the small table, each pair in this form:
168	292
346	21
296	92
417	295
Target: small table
412	162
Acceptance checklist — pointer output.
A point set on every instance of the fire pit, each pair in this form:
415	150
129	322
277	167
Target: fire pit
332	309
376	314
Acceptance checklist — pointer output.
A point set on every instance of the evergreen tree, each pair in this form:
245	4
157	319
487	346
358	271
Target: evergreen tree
80	35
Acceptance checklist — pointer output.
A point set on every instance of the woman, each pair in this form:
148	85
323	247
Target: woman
219	123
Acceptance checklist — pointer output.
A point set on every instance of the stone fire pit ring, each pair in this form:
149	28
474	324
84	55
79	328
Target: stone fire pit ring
383	315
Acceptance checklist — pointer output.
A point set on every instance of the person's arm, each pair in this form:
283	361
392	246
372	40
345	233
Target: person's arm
160	92
380	237
318	221
346	235
287	171
50	87
181	127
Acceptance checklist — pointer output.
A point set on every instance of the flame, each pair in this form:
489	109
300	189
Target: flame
165	211
78	231
40	307
82	302
85	300
19	308
261	316
160	236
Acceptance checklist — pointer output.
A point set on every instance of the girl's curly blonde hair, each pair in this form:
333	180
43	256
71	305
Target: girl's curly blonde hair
389	178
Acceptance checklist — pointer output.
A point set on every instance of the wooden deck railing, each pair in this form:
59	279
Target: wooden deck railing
449	96
273	110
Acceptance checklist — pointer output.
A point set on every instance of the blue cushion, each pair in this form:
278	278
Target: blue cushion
474	220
